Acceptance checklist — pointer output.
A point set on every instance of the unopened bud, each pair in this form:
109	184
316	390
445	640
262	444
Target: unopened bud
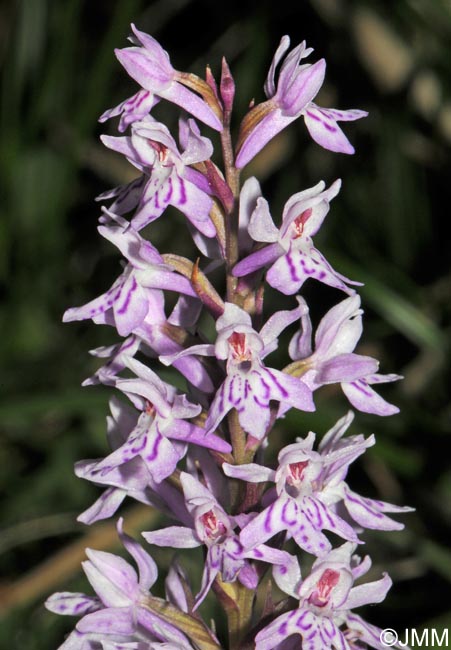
227	87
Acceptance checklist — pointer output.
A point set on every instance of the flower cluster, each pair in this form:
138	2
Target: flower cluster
198	456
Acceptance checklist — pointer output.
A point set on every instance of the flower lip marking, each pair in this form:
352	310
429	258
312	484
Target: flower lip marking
213	528
329	579
300	221
150	409
296	472
161	149
237	343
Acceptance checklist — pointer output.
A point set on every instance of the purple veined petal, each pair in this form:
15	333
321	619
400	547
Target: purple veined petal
368	593
211	570
186	312
152	74
111	577
332	635
346	367
340	329
138	251
196	206
198	495
270	86
290	271
298	94
192	103
368	513
279	321
72	604
233	316
331	438
197	148
287	577
173	536
147	569
124	145
174	586
250	193
132	109
187	432
365	399
287	274
383	379
97	306
195	373
323	517
250	472
360	567
126	196
154	197
298	394
248	576
130	306
107	644
166	279
348	115
325	131
219	407
157	55
105	506
208	247
153	392
291	68
134	445
367	633
280	515
274	122
309	536
275	633
261	226
203	350
117	360
150	379
161	457
286	569
257	260
198	179
253	407
183	408
298	621
113	620
338	461
300	346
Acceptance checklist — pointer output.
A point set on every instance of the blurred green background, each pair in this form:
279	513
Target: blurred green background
387	227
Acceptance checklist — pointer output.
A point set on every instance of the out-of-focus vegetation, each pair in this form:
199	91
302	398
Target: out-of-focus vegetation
387	227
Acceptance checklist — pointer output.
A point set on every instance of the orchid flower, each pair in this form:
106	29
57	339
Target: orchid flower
149	65
249	386
333	359
118	609
326	597
126	304
289	98
213	528
309	487
290	253
167	178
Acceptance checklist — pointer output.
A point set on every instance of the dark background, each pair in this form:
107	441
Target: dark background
386	227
